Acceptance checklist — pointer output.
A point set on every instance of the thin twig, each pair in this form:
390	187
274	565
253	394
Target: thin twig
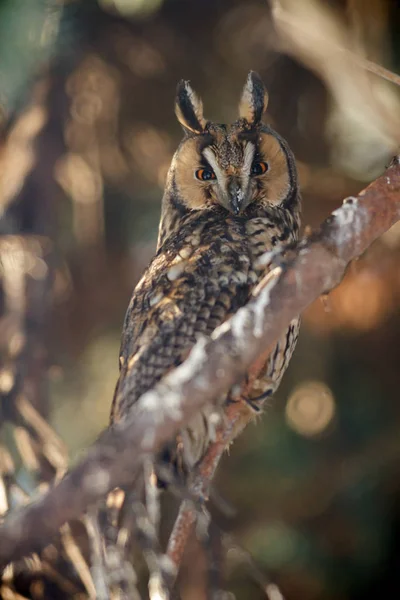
236	417
282	15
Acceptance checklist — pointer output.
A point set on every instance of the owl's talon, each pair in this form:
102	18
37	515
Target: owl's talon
256	404
251	404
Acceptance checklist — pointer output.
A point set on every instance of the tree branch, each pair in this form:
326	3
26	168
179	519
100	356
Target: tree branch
315	266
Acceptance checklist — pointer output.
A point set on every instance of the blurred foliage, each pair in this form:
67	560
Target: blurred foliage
88	134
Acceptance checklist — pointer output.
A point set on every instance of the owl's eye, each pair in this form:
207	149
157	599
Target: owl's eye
205	174
259	168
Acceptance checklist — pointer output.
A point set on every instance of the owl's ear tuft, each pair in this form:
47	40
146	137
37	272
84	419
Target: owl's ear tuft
189	108
254	100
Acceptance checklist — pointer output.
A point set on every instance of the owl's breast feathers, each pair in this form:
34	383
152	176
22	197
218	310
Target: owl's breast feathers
199	277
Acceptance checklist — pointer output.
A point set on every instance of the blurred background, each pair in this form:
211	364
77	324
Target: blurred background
87	134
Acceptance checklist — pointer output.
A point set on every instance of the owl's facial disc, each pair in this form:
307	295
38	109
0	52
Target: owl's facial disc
232	169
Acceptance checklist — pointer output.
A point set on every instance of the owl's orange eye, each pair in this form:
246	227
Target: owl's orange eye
259	168
205	174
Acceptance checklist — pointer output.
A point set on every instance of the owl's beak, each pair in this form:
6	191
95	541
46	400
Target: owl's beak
236	196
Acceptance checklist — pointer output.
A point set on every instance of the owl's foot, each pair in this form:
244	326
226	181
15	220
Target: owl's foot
257	404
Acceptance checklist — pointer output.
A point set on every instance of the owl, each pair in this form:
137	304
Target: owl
231	196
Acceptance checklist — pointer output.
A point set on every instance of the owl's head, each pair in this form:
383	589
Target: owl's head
234	165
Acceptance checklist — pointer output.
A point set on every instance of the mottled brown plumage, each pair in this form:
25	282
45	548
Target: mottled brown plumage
231	196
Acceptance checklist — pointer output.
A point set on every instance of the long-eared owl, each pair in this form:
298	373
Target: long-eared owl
231	196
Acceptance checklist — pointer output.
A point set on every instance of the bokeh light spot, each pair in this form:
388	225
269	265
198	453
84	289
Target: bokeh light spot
310	408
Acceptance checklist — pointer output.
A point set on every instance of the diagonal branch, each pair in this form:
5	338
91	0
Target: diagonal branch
315	266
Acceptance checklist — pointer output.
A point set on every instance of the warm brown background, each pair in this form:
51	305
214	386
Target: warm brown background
88	131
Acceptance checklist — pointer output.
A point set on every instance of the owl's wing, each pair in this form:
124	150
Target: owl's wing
183	293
